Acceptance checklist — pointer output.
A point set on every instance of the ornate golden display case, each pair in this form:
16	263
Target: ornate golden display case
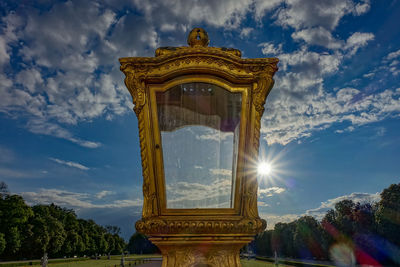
183	87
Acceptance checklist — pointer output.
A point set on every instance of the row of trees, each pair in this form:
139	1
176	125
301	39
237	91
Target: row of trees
369	232
28	232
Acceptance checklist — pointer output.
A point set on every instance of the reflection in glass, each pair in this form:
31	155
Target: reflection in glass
199	125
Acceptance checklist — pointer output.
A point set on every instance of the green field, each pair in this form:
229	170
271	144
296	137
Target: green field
82	262
257	263
89	263
116	261
109	263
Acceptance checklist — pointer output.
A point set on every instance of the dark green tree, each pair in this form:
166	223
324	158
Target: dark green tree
14	215
2	243
139	244
344	217
308	239
282	239
52	216
263	243
36	238
388	214
27	232
364	218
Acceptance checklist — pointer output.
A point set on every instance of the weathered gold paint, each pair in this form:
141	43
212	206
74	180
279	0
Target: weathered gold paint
204	237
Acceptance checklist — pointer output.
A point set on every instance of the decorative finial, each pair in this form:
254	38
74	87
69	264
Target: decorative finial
198	37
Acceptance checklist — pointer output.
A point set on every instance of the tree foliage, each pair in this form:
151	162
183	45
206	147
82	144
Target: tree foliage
370	230
139	244
28	232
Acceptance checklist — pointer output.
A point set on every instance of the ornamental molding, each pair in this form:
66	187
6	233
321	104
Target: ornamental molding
170	60
157	226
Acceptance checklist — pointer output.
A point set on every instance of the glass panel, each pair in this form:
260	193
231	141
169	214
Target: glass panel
199	125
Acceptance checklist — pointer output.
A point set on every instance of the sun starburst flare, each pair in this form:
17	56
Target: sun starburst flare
264	168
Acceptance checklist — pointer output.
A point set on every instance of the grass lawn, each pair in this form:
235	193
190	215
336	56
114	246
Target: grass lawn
80	262
116	261
109	263
257	263
88	263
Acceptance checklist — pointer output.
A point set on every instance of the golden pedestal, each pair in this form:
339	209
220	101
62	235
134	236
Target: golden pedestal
216	251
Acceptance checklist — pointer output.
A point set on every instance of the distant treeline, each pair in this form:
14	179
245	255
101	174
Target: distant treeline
27	232
368	232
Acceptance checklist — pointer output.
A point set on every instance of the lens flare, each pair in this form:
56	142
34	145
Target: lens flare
342	254
264	168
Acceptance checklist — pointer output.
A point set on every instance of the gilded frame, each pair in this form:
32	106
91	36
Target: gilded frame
197	61
159	173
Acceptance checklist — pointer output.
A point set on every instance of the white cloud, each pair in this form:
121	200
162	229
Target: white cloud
330	203
362	8
307	14
70	164
29	78
317	36
104	193
195	195
228	14
369	75
348	129
211	134
300	105
223	172
261	7
64	53
39	126
315	20
74	200
273	219
270	191
70	74
5	83
4	56
245	32
168	27
269	49
310	64
11	23
288	119
392	62
393	55
357	40
262	204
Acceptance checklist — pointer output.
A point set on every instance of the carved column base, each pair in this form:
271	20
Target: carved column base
201	251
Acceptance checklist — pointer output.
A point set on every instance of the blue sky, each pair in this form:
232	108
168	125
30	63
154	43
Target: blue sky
331	127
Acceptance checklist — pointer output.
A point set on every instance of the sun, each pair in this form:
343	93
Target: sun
264	168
